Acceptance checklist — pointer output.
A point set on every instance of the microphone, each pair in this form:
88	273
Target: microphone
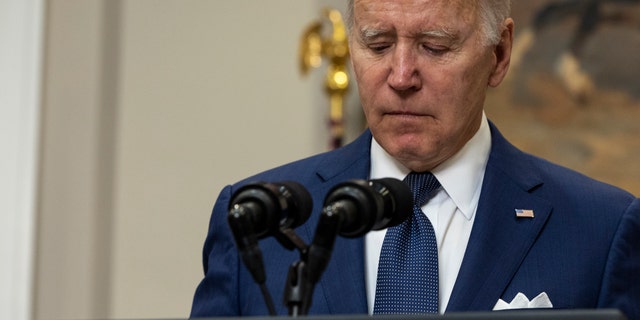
260	209
353	208
369	205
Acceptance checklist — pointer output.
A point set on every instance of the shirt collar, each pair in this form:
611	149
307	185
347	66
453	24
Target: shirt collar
461	176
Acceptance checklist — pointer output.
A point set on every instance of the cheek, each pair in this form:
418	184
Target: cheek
475	87
370	82
467	86
369	75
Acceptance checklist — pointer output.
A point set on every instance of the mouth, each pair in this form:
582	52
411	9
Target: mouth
406	114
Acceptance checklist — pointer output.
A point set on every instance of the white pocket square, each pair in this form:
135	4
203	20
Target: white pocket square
520	301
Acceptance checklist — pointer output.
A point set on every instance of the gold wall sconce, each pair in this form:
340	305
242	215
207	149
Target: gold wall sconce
335	49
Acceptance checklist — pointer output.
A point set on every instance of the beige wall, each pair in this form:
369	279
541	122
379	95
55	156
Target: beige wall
73	247
149	108
209	93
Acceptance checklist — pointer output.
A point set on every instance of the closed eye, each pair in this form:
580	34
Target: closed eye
379	47
435	50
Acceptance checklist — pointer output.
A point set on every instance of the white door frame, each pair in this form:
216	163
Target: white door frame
21	24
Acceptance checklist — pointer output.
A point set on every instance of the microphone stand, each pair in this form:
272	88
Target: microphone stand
296	291
305	273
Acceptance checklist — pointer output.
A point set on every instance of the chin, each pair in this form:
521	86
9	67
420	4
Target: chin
409	151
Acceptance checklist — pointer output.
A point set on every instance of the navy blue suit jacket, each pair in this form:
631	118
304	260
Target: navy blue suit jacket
582	247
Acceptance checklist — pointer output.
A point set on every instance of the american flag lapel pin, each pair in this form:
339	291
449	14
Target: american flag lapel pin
524	213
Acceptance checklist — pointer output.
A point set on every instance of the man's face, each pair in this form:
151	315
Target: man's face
422	71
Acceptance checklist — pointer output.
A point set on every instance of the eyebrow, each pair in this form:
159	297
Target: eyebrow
442	33
367	34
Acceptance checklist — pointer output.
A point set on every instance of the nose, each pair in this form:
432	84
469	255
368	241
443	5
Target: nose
404	75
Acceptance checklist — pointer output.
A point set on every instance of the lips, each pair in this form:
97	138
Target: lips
405	114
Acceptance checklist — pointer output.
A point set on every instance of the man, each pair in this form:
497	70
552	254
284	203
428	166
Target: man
506	223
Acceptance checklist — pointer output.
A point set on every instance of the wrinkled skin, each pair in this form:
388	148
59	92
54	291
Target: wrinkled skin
423	70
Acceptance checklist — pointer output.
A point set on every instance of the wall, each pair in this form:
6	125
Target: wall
73	278
209	93
149	109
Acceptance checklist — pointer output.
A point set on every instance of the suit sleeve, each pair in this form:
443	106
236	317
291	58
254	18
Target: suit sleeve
217	293
621	281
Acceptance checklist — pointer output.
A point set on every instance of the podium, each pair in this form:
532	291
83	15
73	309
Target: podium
533	314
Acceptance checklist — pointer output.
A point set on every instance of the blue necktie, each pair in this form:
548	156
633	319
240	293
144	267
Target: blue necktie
408	268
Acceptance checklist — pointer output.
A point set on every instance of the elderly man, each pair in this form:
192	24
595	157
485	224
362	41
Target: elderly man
497	223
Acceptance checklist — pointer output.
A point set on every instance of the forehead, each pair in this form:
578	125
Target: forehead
412	14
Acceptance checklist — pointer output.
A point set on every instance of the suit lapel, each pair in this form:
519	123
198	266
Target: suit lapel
499	240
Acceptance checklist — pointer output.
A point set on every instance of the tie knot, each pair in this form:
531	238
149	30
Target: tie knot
421	184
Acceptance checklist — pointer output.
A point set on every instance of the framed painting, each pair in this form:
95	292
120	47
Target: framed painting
573	91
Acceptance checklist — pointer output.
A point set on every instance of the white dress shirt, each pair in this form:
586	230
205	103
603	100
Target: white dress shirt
451	210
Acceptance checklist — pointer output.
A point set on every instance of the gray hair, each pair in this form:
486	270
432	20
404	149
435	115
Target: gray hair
492	14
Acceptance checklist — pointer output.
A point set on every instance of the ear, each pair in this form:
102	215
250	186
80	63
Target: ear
502	53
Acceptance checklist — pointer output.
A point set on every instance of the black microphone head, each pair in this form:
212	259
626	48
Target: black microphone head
398	201
297	205
259	201
361	205
272	206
